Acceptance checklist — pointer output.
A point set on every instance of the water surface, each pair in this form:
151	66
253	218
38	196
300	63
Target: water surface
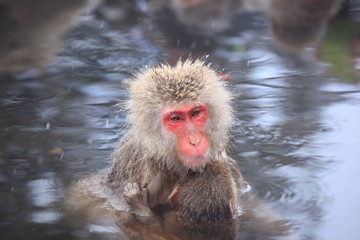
296	136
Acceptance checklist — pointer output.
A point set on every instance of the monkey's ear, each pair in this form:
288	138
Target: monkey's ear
173	197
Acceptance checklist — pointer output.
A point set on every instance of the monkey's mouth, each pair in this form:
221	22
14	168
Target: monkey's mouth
195	161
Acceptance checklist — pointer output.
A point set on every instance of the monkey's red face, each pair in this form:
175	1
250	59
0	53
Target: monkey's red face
187	123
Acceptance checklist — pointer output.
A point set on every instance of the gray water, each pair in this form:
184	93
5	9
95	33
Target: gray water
296	138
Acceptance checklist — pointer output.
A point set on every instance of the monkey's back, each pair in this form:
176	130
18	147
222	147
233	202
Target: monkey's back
207	196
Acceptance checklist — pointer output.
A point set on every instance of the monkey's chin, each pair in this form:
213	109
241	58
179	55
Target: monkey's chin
196	161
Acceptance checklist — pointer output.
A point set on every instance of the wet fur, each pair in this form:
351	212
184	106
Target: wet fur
209	196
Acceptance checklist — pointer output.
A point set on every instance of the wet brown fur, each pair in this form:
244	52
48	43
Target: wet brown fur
209	196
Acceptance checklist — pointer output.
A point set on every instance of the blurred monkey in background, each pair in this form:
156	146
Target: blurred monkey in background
32	31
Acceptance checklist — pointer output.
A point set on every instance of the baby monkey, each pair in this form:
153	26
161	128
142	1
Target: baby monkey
208	196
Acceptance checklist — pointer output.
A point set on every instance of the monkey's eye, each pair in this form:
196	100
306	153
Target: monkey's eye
195	113
175	119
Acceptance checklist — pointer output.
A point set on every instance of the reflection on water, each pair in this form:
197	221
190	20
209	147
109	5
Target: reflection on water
341	49
296	138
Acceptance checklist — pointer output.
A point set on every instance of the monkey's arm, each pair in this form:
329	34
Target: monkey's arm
145	223
137	198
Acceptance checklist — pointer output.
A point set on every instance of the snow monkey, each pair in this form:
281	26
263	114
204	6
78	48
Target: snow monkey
295	24
32	31
173	157
179	118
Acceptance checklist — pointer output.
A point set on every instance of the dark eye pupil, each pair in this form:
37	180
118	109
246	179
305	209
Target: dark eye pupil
195	113
175	119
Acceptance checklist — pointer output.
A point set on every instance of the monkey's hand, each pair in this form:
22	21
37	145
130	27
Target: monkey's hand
136	197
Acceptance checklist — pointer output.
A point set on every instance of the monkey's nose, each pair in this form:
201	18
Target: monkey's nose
194	140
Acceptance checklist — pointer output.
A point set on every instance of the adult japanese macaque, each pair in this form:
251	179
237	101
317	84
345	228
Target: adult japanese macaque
32	31
295	24
175	148
178	119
